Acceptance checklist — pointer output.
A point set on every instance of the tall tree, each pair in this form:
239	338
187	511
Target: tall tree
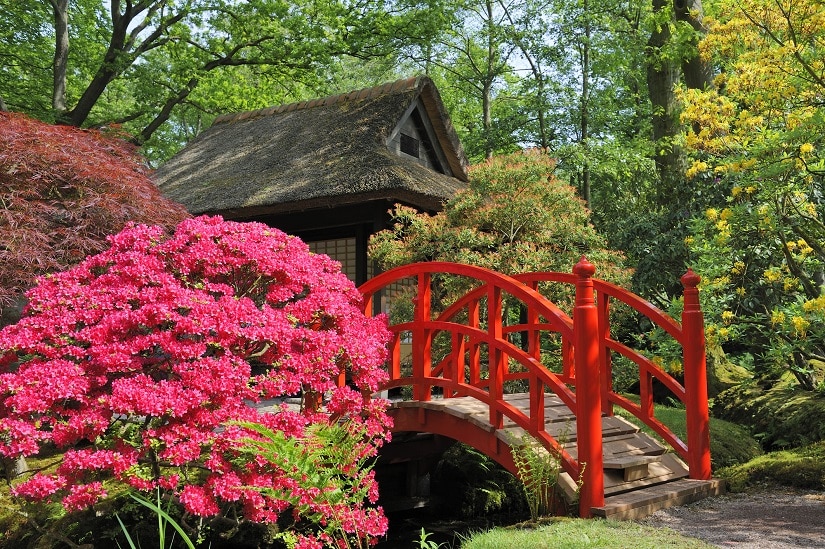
600	110
677	26
472	65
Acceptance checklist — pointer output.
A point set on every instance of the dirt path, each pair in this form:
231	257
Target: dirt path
779	518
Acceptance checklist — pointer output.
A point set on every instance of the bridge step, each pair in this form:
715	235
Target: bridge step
643	502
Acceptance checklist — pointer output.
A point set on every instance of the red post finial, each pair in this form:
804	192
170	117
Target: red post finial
584	268
690	279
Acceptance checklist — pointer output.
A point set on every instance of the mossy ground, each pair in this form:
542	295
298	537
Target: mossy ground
799	467
778	413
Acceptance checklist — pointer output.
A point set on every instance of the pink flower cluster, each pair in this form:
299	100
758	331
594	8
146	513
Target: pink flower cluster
151	350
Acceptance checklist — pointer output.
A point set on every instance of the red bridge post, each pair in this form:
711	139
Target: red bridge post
696	382
422	340
588	390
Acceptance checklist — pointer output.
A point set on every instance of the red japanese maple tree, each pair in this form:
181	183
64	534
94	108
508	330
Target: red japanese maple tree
62	191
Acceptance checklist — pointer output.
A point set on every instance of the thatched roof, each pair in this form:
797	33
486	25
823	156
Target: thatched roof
319	153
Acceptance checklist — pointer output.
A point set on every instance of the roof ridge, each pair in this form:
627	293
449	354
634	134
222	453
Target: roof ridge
403	84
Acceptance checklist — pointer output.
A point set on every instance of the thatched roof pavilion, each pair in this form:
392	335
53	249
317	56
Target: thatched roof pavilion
326	169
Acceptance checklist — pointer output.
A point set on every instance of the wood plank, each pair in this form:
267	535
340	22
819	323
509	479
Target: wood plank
641	503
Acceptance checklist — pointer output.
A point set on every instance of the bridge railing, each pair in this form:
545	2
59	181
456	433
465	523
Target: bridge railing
689	335
474	324
479	358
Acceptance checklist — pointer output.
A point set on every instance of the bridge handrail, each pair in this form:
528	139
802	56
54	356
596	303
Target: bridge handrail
644	410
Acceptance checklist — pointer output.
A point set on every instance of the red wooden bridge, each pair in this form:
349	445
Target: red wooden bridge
463	357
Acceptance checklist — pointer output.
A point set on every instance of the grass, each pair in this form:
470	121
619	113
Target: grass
560	533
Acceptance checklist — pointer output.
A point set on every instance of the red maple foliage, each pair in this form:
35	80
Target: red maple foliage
62	191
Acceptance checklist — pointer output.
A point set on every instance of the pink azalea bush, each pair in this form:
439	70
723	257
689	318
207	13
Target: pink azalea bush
146	363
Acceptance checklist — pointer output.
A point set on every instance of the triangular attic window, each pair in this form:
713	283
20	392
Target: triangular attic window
414	138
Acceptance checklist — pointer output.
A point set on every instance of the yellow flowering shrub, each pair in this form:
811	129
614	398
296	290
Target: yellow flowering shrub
759	134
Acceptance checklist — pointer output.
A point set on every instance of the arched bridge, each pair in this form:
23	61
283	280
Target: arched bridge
478	371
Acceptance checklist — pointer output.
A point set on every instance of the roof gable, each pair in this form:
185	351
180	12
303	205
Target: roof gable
334	150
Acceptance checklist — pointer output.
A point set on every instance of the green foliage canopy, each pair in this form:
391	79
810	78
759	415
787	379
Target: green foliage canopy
150	64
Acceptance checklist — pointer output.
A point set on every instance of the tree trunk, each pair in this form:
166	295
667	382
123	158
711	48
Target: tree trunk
14	467
662	75
108	70
61	54
698	74
487	99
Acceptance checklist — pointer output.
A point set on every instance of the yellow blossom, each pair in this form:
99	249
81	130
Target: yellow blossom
800	325
697	167
727	316
806	148
777	318
817	304
722	280
712	214
772	275
740	291
675	367
736	191
750	189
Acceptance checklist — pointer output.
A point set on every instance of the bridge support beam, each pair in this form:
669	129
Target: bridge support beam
588	390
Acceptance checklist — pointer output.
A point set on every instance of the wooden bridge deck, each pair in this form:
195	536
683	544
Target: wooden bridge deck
640	476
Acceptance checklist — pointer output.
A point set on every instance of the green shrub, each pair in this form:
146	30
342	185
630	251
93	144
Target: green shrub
781	416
